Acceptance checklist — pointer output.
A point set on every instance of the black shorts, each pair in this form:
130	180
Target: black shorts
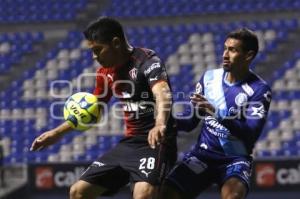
131	160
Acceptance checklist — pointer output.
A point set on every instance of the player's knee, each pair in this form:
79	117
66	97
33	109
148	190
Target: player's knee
76	192
234	195
143	190
145	194
233	189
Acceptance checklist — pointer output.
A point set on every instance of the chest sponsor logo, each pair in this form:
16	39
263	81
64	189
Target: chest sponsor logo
212	122
140	107
215	128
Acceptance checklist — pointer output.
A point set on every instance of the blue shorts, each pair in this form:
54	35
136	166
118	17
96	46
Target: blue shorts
197	172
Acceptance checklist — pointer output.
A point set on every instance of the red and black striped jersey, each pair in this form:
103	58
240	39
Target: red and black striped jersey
131	84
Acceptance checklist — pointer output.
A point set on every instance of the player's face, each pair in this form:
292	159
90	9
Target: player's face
102	52
233	55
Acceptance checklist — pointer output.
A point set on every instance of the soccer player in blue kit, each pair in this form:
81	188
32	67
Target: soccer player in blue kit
233	103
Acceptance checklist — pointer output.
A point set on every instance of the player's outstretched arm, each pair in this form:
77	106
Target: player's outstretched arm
50	137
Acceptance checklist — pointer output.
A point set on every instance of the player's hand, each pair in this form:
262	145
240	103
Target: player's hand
201	104
156	135
44	140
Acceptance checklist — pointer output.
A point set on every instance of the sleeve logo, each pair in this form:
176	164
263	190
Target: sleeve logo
151	68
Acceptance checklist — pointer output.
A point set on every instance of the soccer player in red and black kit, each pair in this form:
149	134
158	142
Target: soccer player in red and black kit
138	78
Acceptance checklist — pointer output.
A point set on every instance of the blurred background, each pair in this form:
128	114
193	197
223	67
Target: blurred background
44	59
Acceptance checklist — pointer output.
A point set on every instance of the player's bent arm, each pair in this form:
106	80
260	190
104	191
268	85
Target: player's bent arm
163	99
50	137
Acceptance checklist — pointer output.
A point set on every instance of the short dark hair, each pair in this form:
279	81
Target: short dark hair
248	38
103	30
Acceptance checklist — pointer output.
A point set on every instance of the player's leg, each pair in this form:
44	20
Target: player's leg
188	179
103	177
233	188
167	191
235	179
82	189
144	190
99	180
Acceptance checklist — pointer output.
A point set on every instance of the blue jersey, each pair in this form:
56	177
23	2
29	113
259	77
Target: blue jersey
241	110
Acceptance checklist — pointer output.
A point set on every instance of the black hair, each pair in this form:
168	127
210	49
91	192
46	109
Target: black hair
103	30
248	38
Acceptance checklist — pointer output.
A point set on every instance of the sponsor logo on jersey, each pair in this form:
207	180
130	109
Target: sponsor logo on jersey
215	128
241	99
133	73
126	95
267	96
233	111
146	173
265	175
98	164
204	146
258	111
151	68
212	122
153	79
140	107
110	77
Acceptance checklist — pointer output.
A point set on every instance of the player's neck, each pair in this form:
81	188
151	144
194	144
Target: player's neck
236	76
125	55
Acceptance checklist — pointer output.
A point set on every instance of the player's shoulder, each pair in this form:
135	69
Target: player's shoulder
258	83
213	74
258	86
146	60
145	56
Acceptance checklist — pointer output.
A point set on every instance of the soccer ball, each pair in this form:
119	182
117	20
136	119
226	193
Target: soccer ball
81	111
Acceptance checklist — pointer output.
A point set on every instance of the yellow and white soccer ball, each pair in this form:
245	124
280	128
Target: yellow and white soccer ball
81	111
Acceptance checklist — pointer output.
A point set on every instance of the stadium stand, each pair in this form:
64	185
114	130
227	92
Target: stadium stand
191	50
37	11
32	103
